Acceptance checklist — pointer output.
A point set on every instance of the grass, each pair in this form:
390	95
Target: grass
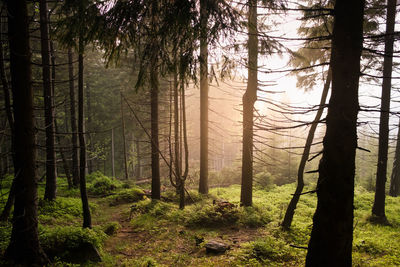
132	230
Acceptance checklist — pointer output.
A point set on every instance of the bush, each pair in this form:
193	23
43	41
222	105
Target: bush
111	228
69	237
253	217
269	249
102	186
126	196
211	216
94	176
194	197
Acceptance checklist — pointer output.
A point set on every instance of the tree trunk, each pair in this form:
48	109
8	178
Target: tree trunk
332	233
178	157
74	135
139	160
87	221
287	221
7	103
378	208
89	128
395	178
58	138
185	144
51	175
155	159
203	183
249	98
24	236
124	140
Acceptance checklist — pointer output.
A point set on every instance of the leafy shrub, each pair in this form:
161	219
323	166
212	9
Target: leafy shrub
94	176
111	228
102	186
126	196
211	216
152	207
70	237
269	249
5	234
194	197
253	217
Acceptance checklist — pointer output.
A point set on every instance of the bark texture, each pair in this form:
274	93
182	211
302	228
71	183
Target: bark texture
249	98
24	236
203	184
51	172
395	178
378	208
332	233
74	134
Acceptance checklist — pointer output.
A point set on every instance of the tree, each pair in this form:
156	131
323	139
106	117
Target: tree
332	234
287	220
51	172
395	178
74	134
249	98
24	236
203	183
378	208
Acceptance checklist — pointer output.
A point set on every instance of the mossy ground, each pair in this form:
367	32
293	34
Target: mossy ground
141	232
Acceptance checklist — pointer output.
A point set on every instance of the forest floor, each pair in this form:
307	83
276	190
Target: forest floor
145	233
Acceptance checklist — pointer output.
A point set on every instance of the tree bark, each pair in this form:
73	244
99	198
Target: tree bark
87	220
249	98
57	136
395	178
24	236
203	183
332	233
124	140
378	208
74	135
7	103
287	221
51	172
112	154
178	157
185	144
155	159
89	128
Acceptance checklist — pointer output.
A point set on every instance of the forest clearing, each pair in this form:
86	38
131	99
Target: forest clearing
199	133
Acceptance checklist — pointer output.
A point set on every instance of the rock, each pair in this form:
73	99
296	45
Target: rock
216	247
80	254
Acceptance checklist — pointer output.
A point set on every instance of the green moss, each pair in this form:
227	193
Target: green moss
103	186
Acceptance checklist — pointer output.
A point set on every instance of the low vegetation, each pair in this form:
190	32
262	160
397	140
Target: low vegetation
131	230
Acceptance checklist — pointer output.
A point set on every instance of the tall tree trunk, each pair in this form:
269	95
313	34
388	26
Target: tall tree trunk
24	236
155	159
57	136
395	178
74	135
378	208
87	220
89	128
332	233
185	144
178	157
203	184
249	98
124	140
7	103
287	221
51	175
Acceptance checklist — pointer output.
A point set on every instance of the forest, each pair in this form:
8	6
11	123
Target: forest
199	133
